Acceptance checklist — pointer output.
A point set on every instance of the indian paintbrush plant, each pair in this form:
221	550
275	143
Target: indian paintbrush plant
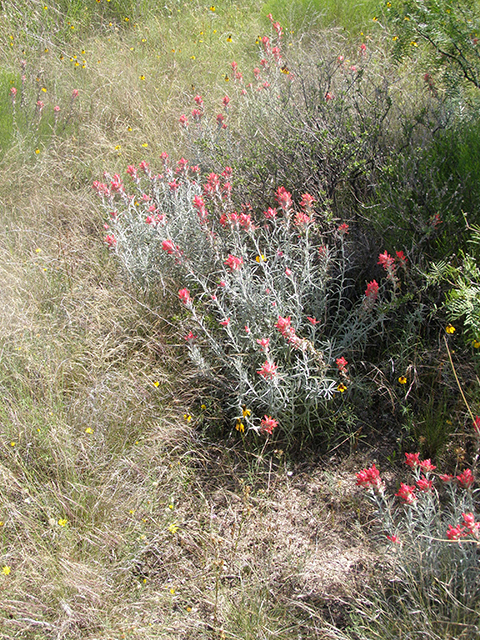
267	305
432	528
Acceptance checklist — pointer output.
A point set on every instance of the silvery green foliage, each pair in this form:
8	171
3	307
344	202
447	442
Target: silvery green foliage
434	538
264	293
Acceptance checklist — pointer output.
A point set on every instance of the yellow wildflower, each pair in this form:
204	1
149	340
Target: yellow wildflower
6	571
402	380
450	329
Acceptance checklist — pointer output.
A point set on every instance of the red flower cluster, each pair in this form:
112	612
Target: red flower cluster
370	479
268	424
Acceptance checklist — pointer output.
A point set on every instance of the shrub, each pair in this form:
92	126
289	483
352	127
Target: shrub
450	31
268	306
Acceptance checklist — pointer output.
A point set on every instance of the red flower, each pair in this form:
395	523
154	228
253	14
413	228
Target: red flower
313	321
406	493
476	425
284	198
466	479
268	370
402	259
341	364
394	538
225	322
168	246
233	262
270	213
370	479
264	342
371	292
424	485
343	229
427	465
268	424
472	526
455	533
111	241
307	201
183	120
412	459
386	260
446	478
184	295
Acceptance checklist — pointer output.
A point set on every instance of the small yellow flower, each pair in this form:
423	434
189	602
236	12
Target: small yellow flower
450	329
144	39
229	38
63	522
192	57
1	523
117	147
12	444
402	380
413	44
260	258
37	151
145	145
132	511
189	609
240	426
37	250
172	590
89	430
395	38
203	407
187	417
44	90
246	412
142	77
173	527
341	387
476	344
375	19
156	383
212	8
6	571
129	129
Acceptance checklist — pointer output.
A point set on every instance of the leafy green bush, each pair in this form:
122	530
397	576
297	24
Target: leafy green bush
450	30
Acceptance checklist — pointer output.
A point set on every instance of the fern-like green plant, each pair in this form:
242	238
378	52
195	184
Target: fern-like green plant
462	301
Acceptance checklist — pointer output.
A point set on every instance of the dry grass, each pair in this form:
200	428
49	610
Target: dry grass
119	519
